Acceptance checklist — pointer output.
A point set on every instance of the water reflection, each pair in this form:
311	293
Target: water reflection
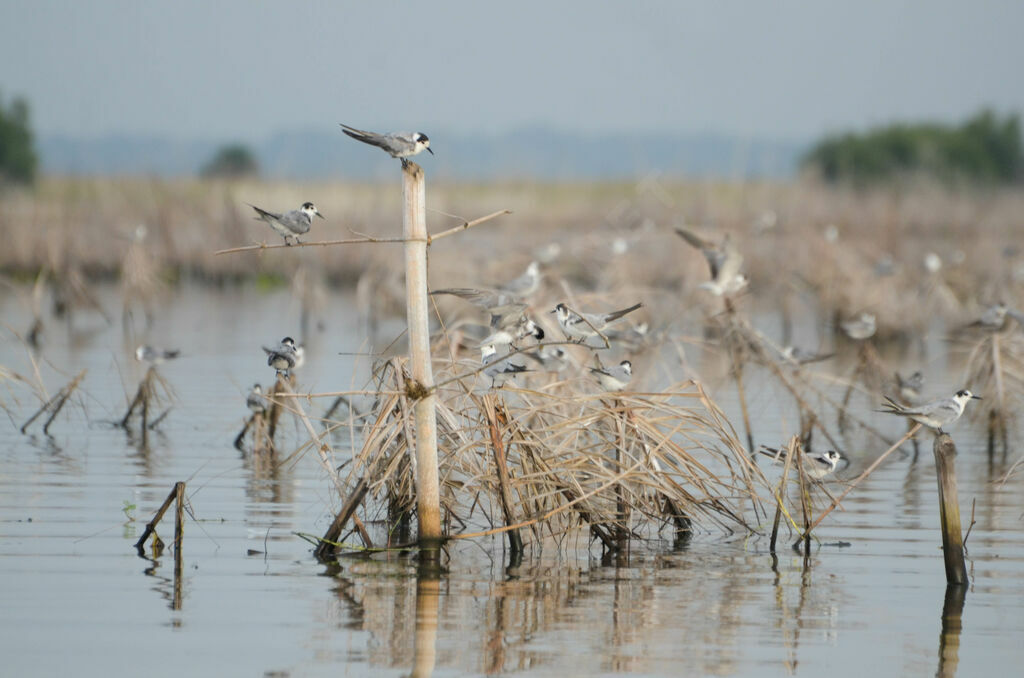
428	593
949	636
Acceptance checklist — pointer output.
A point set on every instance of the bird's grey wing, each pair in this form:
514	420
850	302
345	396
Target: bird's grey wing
693	239
710	250
941	409
264	214
296	221
372	138
498	303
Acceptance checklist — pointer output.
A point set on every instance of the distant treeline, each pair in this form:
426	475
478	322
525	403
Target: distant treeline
985	150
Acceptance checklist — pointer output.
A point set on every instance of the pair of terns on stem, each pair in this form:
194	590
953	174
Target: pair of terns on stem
294	223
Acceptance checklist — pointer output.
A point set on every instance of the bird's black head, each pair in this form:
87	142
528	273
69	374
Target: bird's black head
559	307
288	340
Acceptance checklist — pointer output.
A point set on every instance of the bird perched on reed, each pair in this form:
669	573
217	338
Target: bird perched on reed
290	224
497	366
615	378
282	357
581	326
816	466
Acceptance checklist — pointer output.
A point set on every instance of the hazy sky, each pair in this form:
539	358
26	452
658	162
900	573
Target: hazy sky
244	69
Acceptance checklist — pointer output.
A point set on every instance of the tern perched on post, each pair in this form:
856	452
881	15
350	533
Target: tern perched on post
401	145
291	224
935	414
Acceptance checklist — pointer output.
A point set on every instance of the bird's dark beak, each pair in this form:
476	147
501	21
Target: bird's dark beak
554	310
431	152
320	215
974	397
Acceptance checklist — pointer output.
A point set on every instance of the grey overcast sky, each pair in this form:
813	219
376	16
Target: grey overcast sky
244	69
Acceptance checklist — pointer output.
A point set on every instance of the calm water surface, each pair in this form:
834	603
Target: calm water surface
253	601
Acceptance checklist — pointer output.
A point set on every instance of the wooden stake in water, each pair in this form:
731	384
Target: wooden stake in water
949	510
428	498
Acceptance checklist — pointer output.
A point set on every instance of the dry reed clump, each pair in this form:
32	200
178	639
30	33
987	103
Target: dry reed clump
624	466
995	367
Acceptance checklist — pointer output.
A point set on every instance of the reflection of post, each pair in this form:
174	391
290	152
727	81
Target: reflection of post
949	638
428	588
428	503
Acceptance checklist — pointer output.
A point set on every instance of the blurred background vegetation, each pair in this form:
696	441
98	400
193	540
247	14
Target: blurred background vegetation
234	161
984	150
18	160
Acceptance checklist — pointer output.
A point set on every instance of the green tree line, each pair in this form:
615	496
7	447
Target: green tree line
18	160
986	149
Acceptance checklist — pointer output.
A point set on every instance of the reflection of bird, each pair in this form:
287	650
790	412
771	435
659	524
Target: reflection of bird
614	378
910	387
935	414
283	356
291	224
582	326
154	356
498	368
861	327
724	261
397	144
255	400
816	466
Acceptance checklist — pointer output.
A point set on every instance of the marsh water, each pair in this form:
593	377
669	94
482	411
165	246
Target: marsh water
868	599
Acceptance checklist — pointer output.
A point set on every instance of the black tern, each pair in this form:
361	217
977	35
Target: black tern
910	387
154	356
992	320
816	466
401	145
498	367
291	224
614	378
283	356
724	262
527	283
255	400
799	356
583	326
551	358
935	414
860	328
